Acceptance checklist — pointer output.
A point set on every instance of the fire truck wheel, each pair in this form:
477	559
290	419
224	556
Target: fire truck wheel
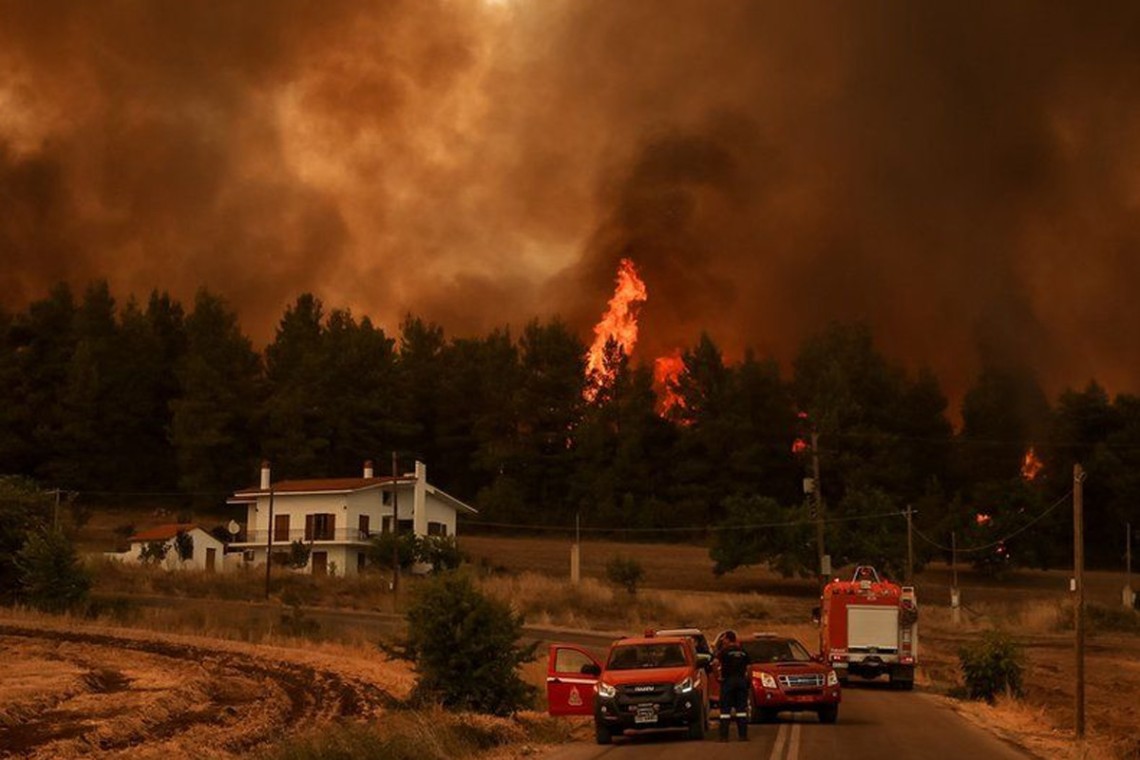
829	714
602	734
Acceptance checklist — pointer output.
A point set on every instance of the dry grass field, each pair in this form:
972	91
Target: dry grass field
149	680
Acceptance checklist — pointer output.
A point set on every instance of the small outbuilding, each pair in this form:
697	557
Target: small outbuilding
176	546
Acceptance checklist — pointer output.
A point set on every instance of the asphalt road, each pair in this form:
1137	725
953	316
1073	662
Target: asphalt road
874	723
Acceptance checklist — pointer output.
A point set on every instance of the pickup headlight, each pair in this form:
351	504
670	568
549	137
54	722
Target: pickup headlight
605	691
768	680
684	687
832	679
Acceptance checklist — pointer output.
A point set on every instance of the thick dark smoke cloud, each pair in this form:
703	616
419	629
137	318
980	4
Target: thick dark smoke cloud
963	177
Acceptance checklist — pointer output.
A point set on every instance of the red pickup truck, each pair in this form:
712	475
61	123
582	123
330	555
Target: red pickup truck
644	683
785	677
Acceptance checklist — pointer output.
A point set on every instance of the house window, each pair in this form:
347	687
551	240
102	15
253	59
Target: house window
364	526
386	524
280	528
437	529
320	527
385	497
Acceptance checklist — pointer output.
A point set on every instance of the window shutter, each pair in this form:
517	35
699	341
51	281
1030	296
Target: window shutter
308	527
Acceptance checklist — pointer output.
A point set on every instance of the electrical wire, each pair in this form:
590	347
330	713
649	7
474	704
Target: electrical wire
991	545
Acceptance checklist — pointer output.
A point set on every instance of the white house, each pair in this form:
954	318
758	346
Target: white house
336	517
206	551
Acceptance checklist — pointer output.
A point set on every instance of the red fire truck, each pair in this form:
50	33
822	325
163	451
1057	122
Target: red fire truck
869	627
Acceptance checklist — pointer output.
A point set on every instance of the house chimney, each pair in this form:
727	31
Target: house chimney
265	475
368	468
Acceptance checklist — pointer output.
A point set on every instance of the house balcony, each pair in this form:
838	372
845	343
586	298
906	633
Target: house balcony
257	538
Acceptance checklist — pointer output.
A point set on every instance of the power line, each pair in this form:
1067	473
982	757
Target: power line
999	541
683	529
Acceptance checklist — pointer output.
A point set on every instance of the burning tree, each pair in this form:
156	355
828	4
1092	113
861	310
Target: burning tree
616	329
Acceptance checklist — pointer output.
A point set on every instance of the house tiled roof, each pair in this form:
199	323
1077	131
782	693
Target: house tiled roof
162	532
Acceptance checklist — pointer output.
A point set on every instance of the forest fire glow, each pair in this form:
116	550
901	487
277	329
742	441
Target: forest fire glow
1031	466
666	370
618	324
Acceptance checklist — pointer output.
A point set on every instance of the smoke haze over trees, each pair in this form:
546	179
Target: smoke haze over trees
125	403
961	177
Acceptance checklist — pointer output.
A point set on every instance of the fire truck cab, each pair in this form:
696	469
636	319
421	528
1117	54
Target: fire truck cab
869	628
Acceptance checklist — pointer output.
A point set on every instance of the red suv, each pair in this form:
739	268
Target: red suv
786	678
646	683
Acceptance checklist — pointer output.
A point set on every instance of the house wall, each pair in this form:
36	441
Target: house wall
197	561
438	511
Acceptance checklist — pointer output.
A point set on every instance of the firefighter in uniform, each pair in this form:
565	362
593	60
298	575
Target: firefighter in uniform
734	662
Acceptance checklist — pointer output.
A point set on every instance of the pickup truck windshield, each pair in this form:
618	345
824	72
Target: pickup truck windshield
635	656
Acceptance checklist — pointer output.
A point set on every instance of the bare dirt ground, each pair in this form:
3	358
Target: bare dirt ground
71	690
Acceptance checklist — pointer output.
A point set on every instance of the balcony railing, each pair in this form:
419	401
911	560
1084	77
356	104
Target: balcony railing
340	535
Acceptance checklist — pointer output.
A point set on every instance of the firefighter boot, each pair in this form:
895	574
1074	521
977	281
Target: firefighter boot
722	727
742	727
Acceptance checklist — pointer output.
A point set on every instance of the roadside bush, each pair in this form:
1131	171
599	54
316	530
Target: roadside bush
625	572
22	507
992	665
466	649
51	576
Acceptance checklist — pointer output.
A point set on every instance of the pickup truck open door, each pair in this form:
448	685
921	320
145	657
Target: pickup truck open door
571	674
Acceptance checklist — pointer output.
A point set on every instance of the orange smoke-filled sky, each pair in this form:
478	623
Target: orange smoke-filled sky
964	177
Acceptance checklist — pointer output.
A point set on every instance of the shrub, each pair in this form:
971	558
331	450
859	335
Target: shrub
154	551
22	507
625	572
992	665
51	576
466	648
382	547
441	552
184	545
298	556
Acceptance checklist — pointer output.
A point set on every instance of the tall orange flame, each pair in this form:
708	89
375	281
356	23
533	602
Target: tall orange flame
666	370
1031	466
618	324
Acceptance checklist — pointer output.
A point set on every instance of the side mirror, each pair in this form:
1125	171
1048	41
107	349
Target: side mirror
815	615
704	661
592	669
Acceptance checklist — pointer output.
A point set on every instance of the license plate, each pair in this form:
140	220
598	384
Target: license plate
645	714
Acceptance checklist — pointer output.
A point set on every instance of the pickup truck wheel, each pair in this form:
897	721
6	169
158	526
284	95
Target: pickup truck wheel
602	734
755	714
829	714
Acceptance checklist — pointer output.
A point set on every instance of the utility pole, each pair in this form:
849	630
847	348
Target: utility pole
818	491
1079	588
55	513
1128	602
269	541
955	599
395	533
909	545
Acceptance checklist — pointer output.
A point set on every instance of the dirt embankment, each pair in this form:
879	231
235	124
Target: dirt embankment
71	691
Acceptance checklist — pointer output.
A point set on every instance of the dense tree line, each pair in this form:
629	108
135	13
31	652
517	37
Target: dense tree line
154	399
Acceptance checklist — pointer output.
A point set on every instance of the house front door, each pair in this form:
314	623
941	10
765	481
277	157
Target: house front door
211	558
320	563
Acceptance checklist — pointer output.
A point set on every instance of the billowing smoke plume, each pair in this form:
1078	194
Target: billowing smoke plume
964	177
